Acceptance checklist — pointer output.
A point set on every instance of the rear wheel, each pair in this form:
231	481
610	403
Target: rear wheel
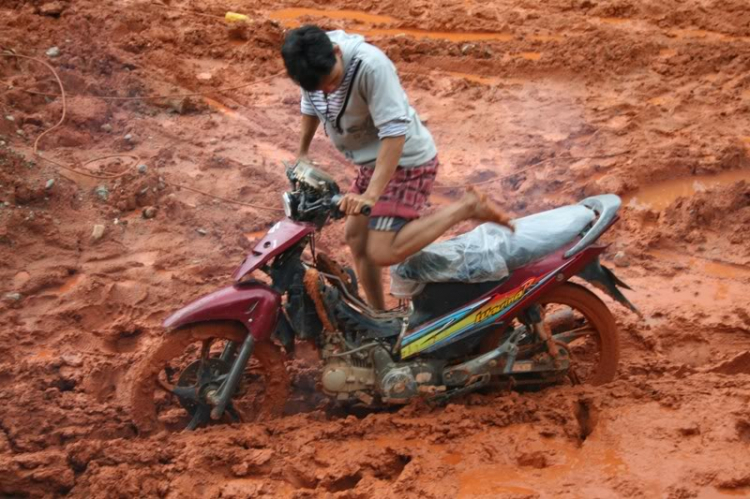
172	383
588	331
582	324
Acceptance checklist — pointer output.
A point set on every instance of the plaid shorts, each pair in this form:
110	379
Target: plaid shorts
403	198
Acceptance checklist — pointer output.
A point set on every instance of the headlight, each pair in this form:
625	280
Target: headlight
287	204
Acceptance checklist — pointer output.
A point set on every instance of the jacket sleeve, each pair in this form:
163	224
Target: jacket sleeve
306	106
383	93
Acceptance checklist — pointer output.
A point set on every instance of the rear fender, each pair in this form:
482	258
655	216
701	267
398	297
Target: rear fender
253	304
603	278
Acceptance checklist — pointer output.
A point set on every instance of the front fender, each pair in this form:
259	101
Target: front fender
253	304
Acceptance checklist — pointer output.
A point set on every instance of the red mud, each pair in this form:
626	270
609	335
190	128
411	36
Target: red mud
543	102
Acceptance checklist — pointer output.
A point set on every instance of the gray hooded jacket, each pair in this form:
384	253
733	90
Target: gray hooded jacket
375	98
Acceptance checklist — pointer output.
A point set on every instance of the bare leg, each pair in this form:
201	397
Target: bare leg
357	235
389	248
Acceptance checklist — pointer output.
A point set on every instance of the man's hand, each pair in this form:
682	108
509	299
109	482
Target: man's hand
352	204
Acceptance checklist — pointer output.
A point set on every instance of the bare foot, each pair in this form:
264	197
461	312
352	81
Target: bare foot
484	209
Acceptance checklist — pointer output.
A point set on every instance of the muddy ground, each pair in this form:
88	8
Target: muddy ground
542	103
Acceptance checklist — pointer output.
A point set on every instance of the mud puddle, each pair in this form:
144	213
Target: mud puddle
292	15
614	20
705	266
705	35
531	56
255	236
223	109
546	38
554	461
289	18
70	284
486	80
662	194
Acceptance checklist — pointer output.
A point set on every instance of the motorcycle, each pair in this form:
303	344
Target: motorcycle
485	309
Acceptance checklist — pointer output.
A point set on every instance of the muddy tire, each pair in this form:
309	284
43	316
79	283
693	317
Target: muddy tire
267	358
600	319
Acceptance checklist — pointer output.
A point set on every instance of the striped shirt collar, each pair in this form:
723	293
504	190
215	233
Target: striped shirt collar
331	105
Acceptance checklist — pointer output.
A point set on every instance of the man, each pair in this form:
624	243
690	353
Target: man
352	87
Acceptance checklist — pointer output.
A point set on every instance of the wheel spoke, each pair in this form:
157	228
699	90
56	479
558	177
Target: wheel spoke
569	336
186	392
205	352
201	416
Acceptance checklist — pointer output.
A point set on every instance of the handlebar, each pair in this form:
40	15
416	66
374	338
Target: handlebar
336	199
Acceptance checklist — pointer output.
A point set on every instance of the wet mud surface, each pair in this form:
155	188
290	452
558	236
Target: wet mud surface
540	104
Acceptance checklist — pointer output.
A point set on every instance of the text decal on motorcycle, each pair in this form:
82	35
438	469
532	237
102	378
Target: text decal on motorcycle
501	302
464	320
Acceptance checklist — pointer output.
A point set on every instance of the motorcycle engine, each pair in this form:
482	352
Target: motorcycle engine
347	377
400	382
365	374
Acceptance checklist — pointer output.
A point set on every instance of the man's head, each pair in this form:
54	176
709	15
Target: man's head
312	60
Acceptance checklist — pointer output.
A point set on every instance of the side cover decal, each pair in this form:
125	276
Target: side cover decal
468	319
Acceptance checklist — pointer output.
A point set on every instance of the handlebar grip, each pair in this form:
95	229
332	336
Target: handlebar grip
336	199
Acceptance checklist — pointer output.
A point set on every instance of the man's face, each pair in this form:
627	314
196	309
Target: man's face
331	82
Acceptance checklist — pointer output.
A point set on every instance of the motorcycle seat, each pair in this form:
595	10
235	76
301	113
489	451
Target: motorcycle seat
490	252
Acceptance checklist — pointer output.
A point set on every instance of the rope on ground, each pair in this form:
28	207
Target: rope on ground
231	201
135	159
60	122
163	96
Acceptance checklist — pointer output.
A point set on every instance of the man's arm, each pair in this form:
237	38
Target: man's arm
388	157
386	164
309	127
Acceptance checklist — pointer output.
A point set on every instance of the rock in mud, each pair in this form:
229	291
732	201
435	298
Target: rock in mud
52	9
97	233
202	232
102	192
13	297
106	128
53	52
49	184
149	212
621	259
72	359
142	169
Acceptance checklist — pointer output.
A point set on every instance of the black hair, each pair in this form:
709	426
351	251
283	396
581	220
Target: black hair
308	56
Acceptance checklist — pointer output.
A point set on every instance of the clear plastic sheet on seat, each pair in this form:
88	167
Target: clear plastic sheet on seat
490	252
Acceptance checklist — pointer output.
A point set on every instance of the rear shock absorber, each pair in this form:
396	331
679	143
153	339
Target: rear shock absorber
537	323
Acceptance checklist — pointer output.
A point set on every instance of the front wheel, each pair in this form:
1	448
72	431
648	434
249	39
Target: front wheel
173	383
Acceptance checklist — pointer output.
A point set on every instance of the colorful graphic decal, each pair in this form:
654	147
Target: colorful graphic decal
466	320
